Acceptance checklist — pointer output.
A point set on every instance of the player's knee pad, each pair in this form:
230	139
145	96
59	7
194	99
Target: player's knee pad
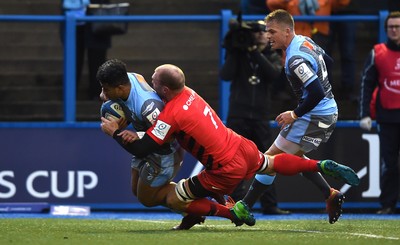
265	179
183	191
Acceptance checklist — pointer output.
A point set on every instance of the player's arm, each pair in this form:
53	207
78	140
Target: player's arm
302	70
315	95
139	148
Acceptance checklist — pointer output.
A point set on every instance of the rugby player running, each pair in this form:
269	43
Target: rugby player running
314	119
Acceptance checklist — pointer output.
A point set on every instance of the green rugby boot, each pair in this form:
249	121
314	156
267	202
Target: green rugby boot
338	171
241	214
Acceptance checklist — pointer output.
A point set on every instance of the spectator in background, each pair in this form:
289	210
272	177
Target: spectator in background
318	31
251	67
279	89
343	33
95	45
382	69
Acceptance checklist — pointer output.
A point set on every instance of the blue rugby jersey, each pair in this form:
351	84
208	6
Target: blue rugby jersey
143	102
304	63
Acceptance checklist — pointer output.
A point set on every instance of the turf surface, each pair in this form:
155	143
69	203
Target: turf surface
155	229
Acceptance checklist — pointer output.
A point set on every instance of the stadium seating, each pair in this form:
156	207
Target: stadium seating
31	56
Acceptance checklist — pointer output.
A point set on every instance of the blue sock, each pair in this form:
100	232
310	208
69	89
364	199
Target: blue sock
265	179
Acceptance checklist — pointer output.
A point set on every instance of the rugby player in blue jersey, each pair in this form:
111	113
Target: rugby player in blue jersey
314	119
141	106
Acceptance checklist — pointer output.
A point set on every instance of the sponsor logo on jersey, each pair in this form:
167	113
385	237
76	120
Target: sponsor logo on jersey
303	72
148	108
296	62
314	141
189	101
161	129
392	85
152	117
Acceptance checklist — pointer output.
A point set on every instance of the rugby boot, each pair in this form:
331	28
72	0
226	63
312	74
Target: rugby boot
338	171
334	205
241	214
229	202
189	221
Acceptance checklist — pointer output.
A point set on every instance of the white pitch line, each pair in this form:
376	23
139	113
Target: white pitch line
352	234
147	220
233	226
374	236
256	228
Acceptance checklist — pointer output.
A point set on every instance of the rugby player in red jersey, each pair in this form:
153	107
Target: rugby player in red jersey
227	157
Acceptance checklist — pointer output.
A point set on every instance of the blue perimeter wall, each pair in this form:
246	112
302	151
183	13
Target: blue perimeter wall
76	163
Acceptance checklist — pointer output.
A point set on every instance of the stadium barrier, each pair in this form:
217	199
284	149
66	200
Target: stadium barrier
73	162
70	27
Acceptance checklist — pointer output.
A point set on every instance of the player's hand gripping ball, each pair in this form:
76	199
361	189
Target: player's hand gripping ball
111	109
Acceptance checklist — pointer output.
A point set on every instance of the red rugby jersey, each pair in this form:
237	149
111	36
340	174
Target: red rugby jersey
198	129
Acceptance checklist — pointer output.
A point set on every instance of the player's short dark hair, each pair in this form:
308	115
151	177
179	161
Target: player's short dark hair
113	73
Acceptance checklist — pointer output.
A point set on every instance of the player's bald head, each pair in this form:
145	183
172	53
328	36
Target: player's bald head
171	76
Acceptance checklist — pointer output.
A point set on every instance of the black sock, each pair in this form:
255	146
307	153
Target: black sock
255	192
320	182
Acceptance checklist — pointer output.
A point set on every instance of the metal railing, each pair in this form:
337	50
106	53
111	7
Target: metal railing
223	18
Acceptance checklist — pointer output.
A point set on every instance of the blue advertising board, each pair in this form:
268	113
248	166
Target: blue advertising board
57	165
83	165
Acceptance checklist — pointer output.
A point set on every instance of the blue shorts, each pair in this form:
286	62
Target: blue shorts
157	170
309	131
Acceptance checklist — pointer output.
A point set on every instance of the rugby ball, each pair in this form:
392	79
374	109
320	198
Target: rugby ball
111	109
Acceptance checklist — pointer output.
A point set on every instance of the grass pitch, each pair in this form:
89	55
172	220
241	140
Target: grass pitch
214	231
